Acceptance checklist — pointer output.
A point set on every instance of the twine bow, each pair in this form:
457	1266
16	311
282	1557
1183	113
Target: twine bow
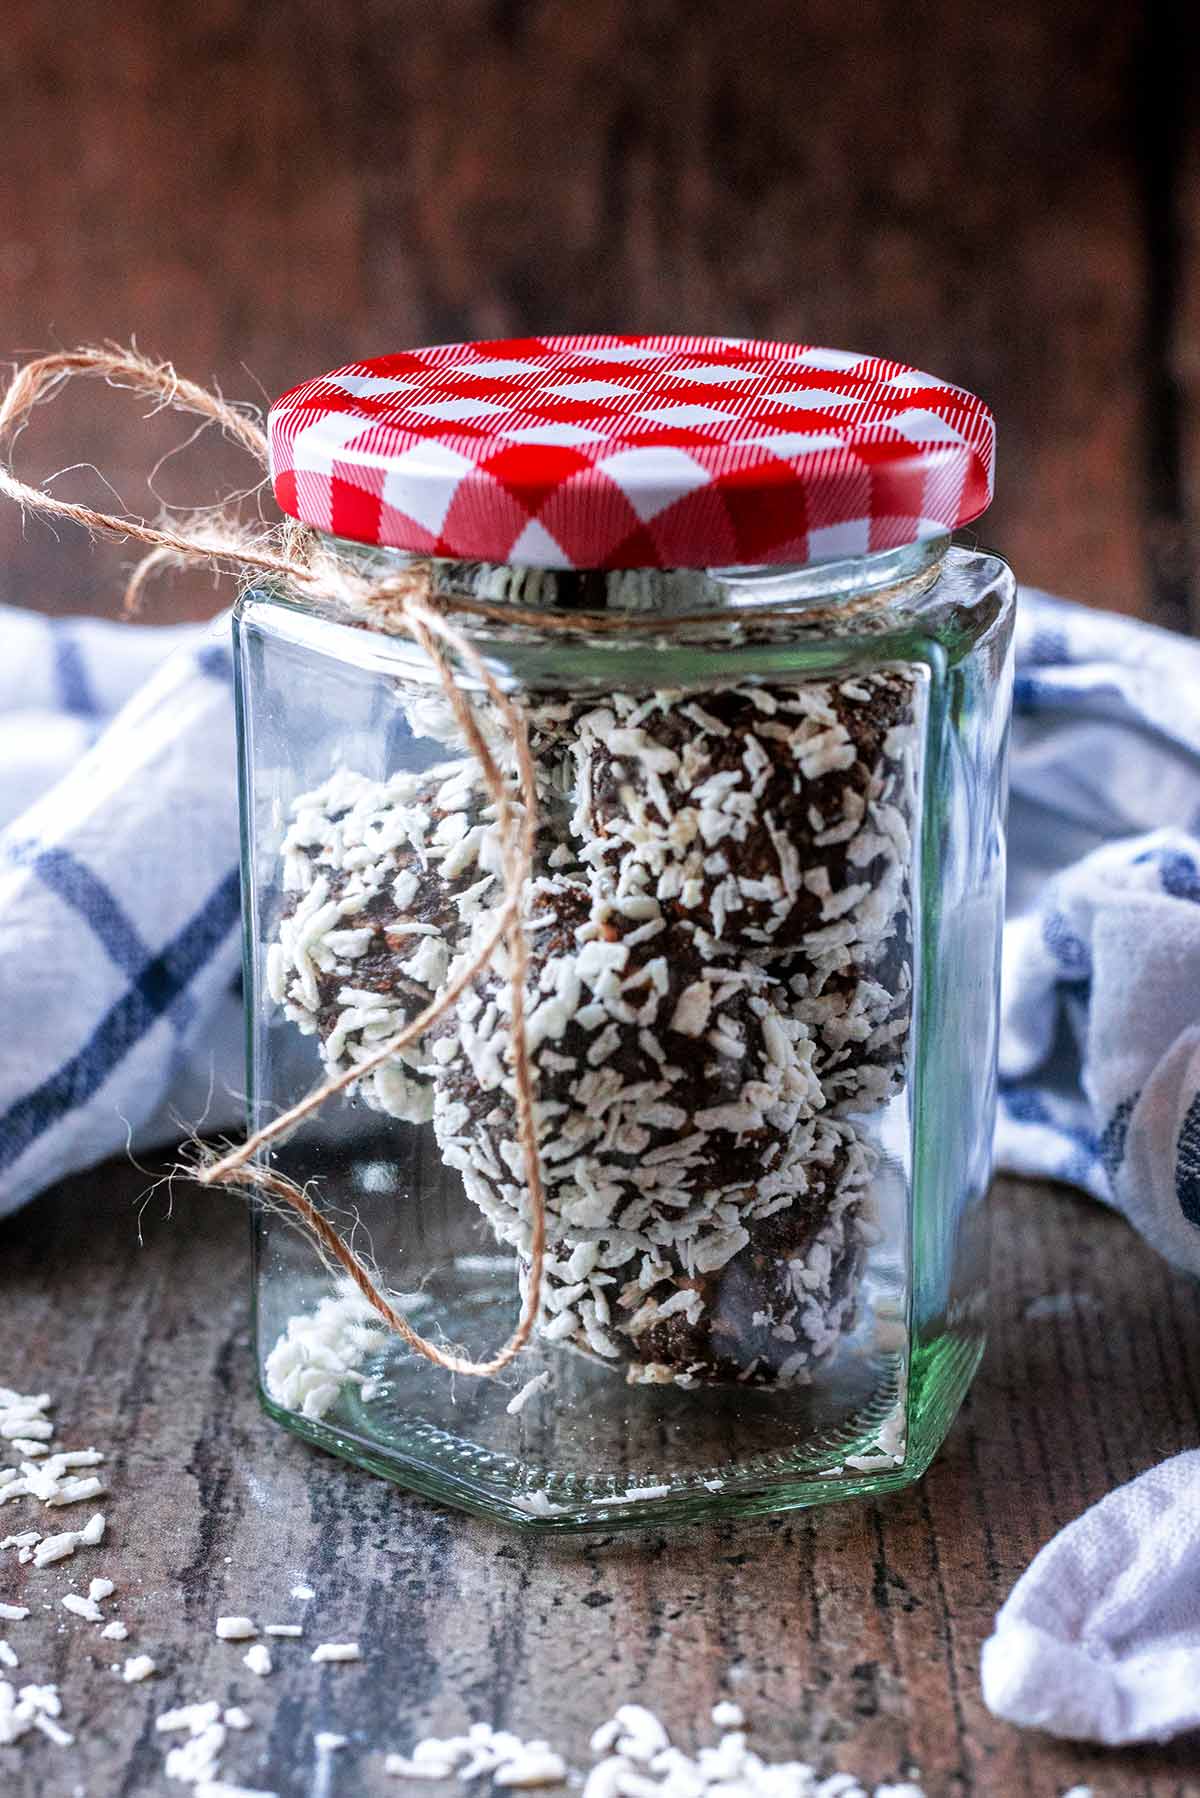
300	557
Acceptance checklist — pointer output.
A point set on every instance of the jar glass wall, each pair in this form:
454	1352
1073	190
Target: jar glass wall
764	938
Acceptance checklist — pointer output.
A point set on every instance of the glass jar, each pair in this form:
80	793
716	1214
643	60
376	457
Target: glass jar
763	930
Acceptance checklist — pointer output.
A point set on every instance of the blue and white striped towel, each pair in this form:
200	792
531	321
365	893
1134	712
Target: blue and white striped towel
118	903
119	941
1100	1040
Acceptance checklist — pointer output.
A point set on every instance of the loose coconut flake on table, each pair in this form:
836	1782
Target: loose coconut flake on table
235	1629
326	1652
35	1708
137	1668
634	1757
633	1753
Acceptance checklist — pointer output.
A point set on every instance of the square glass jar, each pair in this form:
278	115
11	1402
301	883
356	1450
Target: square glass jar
764	935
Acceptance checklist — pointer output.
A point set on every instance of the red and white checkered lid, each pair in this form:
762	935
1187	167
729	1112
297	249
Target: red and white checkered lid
632	452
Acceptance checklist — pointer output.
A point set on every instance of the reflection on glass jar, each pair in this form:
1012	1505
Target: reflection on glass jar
762	937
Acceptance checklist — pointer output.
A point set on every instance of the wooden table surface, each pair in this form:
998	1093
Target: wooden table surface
850	1635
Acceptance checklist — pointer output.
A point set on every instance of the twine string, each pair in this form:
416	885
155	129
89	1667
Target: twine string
298	556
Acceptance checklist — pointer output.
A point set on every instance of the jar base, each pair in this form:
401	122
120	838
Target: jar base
629	1456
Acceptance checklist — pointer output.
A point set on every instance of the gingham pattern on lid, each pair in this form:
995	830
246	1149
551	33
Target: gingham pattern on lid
632	452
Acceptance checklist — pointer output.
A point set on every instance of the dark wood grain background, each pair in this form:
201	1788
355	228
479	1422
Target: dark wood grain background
1008	195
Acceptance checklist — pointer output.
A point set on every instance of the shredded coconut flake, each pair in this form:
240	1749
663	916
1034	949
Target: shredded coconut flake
529	1390
634	1758
236	1629
335	1651
87	1608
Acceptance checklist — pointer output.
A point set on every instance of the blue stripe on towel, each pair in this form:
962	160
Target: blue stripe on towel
159	983
70	669
215	660
1114	1136
73	882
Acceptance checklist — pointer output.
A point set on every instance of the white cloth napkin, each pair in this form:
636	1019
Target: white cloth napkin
1100	1042
1100	1638
119	958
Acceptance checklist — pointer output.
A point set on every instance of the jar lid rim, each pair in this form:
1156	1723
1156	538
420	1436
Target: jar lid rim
613	452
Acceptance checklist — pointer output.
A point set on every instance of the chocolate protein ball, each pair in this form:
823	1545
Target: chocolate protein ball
773	817
782	1304
675	1102
382	880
